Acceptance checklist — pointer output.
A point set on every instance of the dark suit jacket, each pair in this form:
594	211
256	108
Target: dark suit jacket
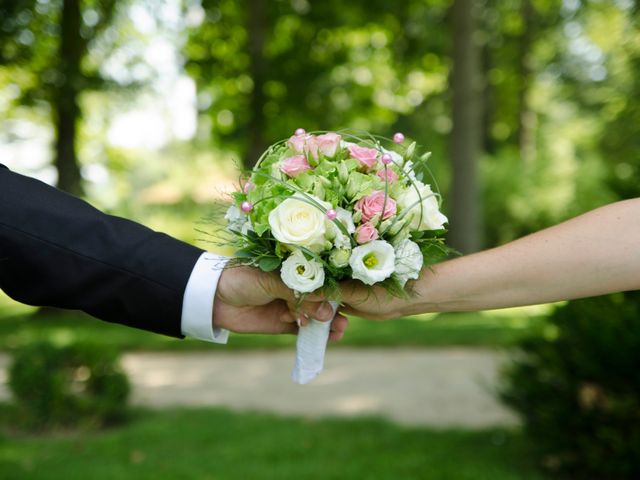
59	251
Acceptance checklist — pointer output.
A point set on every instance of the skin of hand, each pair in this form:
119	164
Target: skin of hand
593	254
249	300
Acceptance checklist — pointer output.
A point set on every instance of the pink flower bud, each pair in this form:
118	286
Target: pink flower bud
366	233
367	157
387	175
386	158
294	166
328	143
398	137
246	207
300	131
297	143
332	214
311	146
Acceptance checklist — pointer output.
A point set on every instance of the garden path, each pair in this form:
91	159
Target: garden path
448	387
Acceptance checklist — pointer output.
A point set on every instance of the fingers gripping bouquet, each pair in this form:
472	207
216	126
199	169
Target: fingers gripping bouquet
321	208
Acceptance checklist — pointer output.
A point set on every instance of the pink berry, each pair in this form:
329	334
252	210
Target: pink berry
332	214
300	131
398	137
246	207
386	158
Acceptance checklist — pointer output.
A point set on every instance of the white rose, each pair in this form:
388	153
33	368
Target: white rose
409	261
426	218
300	274
341	240
372	262
296	221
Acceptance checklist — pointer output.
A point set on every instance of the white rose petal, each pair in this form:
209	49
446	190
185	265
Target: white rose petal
296	221
427	217
372	262
300	274
409	261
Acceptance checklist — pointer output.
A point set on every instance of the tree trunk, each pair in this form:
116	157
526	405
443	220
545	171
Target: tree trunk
257	31
65	98
488	143
466	134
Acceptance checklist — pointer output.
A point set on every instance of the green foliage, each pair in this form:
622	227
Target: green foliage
324	65
31	33
486	329
215	443
578	389
76	385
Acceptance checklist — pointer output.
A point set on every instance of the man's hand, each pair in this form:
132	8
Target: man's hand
249	300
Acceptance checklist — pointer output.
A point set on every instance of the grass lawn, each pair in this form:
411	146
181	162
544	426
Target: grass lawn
487	329
218	444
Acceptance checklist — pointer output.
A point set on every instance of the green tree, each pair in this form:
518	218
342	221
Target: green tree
51	41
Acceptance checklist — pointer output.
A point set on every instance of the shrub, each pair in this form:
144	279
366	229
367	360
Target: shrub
77	385
578	390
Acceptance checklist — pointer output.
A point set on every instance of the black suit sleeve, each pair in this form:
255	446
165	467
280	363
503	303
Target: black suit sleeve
59	251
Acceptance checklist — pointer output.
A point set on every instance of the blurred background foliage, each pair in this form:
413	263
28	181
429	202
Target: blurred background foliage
150	105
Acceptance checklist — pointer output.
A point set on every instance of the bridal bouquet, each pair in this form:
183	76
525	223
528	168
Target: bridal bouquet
324	207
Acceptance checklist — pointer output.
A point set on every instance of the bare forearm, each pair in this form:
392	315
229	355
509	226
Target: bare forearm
593	254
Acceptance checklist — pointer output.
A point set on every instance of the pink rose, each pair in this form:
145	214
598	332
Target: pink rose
329	143
387	175
294	166
372	205
365	233
297	143
366	156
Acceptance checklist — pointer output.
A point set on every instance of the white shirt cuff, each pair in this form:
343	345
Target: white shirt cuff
197	305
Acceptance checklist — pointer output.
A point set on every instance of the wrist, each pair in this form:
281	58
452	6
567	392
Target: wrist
219	316
434	291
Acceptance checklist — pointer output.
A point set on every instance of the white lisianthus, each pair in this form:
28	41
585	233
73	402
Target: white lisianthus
237	220
300	274
247	227
372	262
339	257
296	221
397	158
409	261
341	240
422	204
345	217
409	171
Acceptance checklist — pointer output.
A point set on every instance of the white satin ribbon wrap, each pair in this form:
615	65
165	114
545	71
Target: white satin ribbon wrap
310	348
